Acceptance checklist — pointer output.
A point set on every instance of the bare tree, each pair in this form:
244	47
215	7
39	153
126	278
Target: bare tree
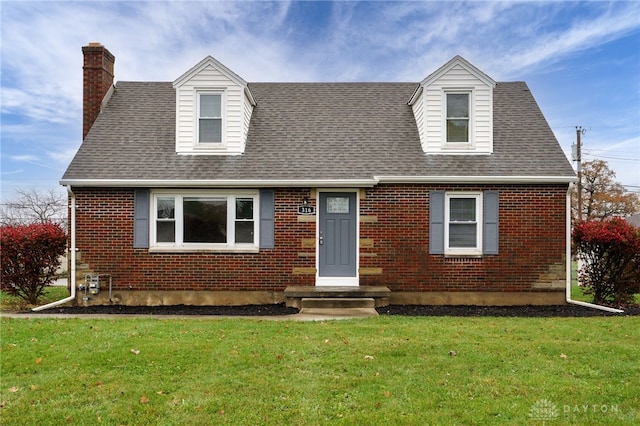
34	205
602	196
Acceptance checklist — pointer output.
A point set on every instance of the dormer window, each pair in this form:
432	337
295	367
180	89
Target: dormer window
210	121
453	108
457	121
213	110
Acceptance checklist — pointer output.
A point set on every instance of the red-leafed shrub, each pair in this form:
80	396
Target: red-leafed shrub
30	255
610	250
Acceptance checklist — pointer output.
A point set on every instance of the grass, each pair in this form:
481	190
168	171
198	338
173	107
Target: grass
15	304
382	370
577	293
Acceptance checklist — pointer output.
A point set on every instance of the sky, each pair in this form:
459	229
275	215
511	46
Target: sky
581	61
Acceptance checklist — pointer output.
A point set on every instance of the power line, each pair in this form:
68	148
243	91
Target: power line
611	158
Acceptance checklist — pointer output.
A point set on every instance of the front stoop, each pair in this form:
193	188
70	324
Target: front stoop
337	302
338	296
338	306
319	314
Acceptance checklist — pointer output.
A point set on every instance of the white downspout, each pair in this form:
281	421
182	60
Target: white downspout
568	256
72	251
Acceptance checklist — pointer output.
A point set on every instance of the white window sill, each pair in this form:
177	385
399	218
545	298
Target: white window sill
234	249
463	255
447	150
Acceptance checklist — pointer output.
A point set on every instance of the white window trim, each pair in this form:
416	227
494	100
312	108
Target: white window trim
211	146
467	251
229	246
458	145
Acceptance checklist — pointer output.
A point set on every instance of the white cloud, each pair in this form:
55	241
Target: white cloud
581	35
24	158
64	155
12	172
39	105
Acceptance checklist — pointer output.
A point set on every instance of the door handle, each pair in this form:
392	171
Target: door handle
321	240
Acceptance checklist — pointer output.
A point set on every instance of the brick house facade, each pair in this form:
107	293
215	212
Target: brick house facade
501	236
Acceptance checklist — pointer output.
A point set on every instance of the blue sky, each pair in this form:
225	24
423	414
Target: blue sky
580	59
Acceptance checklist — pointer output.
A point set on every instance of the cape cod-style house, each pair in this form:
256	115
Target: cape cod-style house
210	190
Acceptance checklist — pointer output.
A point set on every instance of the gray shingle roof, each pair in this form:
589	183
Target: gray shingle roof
312	131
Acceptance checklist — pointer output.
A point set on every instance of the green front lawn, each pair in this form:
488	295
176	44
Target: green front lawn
382	370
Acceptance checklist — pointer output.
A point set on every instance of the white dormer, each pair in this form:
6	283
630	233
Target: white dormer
213	110
453	108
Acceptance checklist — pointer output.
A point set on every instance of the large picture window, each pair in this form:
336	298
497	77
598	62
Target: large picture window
463	223
458	113
204	220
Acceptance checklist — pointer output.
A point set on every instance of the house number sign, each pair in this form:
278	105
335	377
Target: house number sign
308	210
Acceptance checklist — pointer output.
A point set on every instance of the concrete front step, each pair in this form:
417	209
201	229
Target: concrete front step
335	313
294	294
337	302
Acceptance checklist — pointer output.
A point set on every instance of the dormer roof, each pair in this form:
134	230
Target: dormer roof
458	61
212	62
446	68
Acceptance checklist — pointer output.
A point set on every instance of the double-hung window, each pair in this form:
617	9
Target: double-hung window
463	223
458	117
205	220
210	120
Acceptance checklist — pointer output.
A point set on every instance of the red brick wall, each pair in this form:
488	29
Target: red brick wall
532	224
104	226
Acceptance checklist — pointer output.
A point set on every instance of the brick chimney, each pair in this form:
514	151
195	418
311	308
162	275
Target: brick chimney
97	79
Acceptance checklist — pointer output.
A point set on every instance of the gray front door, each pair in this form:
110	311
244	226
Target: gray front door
337	234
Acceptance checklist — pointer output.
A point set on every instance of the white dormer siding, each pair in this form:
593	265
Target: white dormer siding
210	77
474	133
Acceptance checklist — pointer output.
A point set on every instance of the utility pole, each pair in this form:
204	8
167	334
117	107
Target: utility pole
577	156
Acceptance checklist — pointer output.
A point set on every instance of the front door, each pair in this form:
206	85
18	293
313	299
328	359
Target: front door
337	234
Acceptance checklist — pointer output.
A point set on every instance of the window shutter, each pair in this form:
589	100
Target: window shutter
141	218
267	214
436	222
490	230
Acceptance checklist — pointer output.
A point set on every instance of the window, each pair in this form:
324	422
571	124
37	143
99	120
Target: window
463	219
244	222
457	117
166	219
464	223
204	220
210	117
